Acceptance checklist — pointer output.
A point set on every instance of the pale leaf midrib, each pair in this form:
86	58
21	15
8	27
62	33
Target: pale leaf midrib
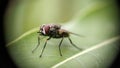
22	36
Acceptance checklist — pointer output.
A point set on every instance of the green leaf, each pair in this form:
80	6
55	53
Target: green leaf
97	22
78	56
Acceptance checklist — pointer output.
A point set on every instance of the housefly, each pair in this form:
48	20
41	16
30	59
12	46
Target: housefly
54	31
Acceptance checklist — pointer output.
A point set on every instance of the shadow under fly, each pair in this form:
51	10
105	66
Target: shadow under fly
54	31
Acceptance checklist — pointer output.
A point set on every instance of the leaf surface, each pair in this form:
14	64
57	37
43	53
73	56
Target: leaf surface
97	22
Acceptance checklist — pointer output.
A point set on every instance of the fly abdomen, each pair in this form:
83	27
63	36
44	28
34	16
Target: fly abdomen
63	33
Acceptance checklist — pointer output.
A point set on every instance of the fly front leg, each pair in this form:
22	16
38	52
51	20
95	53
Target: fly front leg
44	46
37	44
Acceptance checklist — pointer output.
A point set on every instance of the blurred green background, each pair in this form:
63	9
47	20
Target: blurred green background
97	20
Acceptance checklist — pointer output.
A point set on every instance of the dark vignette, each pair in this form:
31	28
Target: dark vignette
116	63
5	60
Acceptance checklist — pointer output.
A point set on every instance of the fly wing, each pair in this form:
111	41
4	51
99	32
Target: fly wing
63	30
76	34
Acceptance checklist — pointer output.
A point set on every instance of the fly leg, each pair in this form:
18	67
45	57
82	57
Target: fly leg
37	44
44	46
60	46
74	44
